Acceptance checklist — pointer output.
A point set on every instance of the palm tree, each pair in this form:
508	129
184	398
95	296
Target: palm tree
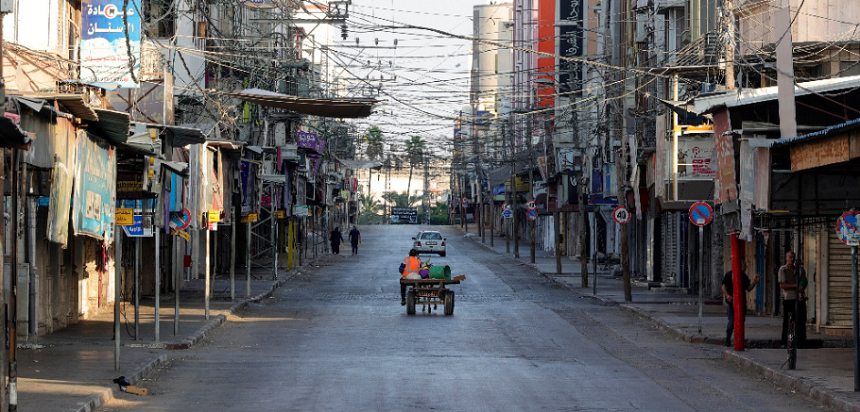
415	153
374	140
370	208
401	199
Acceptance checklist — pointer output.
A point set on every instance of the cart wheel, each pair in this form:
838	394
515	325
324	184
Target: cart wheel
449	303
410	302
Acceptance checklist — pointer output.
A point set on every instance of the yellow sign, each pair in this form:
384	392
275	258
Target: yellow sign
124	216
214	216
279	214
182	234
251	217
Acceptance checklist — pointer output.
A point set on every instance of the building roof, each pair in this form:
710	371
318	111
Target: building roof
74	103
745	97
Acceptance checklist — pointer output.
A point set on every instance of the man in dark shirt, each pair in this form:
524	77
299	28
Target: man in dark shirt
728	291
354	239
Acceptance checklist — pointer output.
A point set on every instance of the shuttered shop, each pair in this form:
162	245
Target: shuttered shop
839	281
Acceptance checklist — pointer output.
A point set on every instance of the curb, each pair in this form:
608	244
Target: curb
104	396
800	385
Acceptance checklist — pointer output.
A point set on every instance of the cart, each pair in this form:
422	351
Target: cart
430	293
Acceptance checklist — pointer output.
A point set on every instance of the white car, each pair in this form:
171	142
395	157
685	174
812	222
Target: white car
429	242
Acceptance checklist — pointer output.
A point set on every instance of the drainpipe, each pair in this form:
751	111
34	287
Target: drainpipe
31	257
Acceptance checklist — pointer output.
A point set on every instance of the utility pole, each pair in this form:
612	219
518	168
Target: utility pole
507	194
729	9
514	196
620	177
531	197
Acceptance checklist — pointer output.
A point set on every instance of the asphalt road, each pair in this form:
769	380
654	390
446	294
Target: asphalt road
336	338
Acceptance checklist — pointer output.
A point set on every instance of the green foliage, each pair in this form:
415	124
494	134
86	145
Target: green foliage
370	210
439	214
374	139
401	199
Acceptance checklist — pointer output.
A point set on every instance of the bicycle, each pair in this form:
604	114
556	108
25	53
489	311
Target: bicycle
791	335
791	341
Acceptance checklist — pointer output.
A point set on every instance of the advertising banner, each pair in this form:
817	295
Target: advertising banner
725	154
310	141
571	15
407	215
110	41
696	158
95	197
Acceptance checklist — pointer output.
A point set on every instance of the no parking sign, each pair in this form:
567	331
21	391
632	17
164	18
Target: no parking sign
847	228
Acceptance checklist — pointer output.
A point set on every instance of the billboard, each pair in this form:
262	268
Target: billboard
110	40
404	215
95	183
571	15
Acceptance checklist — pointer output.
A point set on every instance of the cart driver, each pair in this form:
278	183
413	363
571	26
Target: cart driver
412	266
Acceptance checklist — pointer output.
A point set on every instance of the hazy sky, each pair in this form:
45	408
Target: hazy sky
431	70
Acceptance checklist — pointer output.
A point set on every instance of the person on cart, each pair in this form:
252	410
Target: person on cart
411	266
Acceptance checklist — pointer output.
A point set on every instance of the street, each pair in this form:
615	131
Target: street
335	338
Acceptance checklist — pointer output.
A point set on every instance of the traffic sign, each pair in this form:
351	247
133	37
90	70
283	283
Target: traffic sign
465	203
124	216
530	205
621	215
701	214
507	213
848	228
506	206
138	229
532	214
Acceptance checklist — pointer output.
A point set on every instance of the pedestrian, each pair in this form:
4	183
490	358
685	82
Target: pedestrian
728	292
789	279
411	267
354	239
335	238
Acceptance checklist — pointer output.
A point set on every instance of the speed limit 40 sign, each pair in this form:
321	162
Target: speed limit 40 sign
621	215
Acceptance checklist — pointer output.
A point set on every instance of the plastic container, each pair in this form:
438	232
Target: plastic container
440	272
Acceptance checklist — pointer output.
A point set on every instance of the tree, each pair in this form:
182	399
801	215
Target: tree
374	139
401	199
370	209
415	154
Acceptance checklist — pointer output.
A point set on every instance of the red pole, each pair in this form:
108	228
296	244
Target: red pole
738	293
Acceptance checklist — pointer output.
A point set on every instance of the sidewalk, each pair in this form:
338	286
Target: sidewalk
72	369
825	375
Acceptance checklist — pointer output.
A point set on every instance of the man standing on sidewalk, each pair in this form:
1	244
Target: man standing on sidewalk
728	286
789	277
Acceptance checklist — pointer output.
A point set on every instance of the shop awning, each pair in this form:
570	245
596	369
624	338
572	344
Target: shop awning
110	125
75	104
360	164
318	107
183	136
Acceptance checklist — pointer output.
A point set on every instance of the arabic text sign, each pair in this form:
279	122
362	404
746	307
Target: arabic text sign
310	141
94	188
105	42
258	4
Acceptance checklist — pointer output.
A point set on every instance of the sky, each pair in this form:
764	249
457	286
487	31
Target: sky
425	77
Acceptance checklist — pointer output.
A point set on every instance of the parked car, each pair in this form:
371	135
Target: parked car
429	242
